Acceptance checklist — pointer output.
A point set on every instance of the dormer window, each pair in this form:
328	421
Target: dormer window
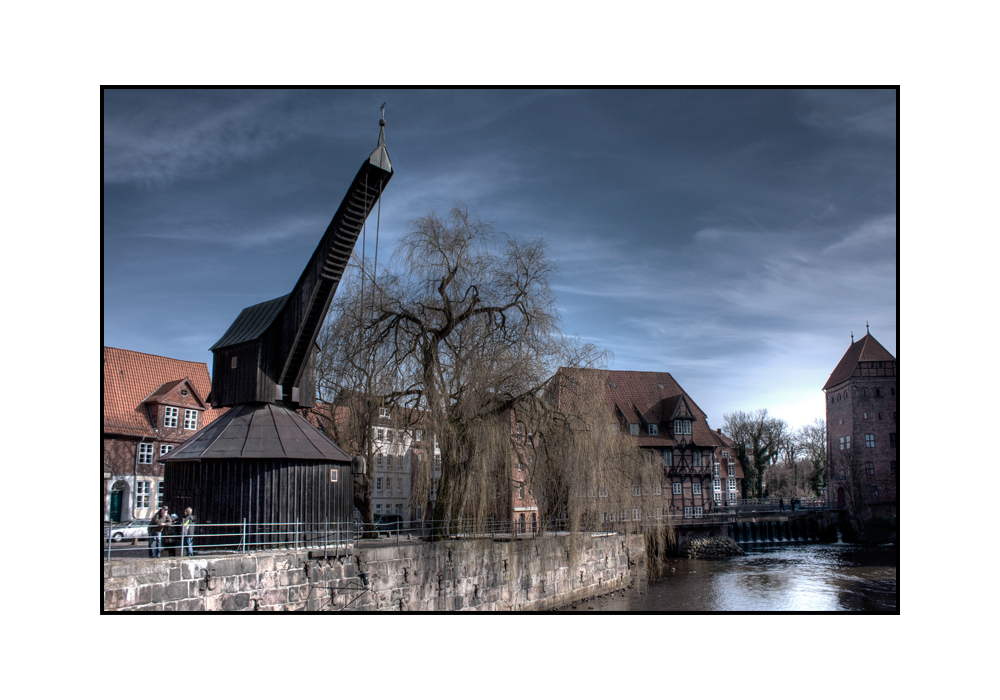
383	413
190	419
652	429
682	427
633	428
169	417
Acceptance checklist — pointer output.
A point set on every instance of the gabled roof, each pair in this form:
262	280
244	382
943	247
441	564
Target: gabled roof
251	322
865	350
651	397
259	431
162	394
131	378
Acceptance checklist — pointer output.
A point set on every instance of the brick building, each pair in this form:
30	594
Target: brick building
862	396
700	470
151	404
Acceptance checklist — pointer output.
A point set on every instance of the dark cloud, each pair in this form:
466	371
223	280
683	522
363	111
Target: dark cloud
734	238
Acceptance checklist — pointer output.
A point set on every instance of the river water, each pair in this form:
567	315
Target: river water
788	577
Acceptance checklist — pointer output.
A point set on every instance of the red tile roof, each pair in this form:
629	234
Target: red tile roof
652	397
865	350
130	378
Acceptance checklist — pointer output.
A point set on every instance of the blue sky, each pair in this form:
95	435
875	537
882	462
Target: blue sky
734	238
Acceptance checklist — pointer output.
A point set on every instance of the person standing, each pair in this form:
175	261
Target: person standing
160	522
187	533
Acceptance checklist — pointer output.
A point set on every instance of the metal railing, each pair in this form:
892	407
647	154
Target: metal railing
210	539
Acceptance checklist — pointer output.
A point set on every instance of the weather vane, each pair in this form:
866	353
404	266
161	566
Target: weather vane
381	122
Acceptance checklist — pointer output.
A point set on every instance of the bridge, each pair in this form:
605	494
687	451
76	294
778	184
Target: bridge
760	520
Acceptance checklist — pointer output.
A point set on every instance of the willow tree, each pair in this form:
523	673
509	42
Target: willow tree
355	375
464	323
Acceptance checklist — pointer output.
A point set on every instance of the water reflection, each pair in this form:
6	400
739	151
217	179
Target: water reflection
787	577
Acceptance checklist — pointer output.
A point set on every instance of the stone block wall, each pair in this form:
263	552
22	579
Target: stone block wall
523	574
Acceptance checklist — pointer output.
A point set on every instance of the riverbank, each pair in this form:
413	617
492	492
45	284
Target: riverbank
769	578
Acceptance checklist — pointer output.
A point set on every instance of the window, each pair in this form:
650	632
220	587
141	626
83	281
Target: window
865	415
668	458
862	392
656	489
399	509
437	461
696	458
715	469
677	487
731	471
190	419
657	513
892	439
165	449
652	429
870	468
725	454
379	434
142	494
678	427
378	484
688	511
624	516
145	453
687	427
848	442
732	484
635	514
869	440
880	415
169	417
696	488
633	428
159	492
878	392
378	509
636	491
383	413
874	491
602	492
419	436
697	511
388	485
717	485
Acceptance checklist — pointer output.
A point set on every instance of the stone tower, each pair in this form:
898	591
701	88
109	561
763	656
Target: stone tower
862	395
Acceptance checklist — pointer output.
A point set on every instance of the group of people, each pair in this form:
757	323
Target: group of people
160	524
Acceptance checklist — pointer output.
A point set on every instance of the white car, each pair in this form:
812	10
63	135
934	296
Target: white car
135	530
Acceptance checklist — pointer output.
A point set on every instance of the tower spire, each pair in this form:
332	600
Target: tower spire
867	332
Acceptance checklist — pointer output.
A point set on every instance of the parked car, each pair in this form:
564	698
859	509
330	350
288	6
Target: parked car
134	530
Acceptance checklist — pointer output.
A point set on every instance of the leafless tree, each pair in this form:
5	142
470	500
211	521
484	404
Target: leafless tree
847	471
812	441
758	439
464	332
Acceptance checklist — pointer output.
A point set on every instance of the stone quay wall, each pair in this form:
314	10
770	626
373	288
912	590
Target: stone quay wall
522	574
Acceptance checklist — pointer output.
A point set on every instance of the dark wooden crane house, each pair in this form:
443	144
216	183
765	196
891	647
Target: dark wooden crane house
261	462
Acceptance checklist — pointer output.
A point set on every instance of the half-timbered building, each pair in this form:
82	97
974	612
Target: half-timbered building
700	470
